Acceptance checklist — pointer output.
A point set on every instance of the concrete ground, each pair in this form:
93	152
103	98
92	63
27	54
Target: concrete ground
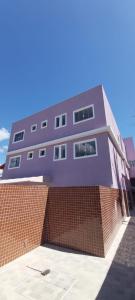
120	281
73	276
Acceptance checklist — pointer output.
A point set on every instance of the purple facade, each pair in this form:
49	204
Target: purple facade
93	151
130	151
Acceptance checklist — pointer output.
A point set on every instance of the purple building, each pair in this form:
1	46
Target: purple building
73	143
130	151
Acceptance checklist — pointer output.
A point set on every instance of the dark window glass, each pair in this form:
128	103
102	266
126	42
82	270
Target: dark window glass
33	128
19	136
63	151
85	149
56	152
60	121
44	124
30	155
15	162
63	120
42	153
57	122
84	114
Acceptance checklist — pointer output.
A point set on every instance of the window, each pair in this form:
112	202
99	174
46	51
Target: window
14	162
30	155
33	127
57	122
132	163
60	121
83	114
18	136
63	120
44	124
42	152
85	149
60	152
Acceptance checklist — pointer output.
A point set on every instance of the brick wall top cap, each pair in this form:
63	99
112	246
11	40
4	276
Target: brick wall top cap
27	179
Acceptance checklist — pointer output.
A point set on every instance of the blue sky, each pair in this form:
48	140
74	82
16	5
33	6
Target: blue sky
53	49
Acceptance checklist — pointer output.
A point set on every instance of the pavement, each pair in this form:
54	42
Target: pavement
73	276
120	281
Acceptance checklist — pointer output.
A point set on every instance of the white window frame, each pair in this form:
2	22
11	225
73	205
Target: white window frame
32	129
14	142
42	127
59	146
85	141
82	108
60	117
12	168
29	158
40	156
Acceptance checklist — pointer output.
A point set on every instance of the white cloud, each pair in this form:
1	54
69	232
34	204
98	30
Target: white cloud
3	149
4	134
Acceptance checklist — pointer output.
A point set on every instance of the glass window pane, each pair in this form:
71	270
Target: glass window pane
77	150
42	152
85	149
91	146
30	155
44	124
63	120
63	151
14	162
17	161
84	114
56	152
19	136
57	122
34	127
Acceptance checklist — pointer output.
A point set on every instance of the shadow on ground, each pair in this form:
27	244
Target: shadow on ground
67	250
120	281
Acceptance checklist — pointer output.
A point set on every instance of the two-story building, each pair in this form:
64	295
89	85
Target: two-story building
73	143
130	151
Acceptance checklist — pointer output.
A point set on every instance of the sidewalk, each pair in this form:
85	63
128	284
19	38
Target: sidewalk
120	281
73	276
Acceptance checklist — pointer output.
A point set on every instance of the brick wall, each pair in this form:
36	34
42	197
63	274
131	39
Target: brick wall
83	218
112	213
73	219
22	211
80	218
